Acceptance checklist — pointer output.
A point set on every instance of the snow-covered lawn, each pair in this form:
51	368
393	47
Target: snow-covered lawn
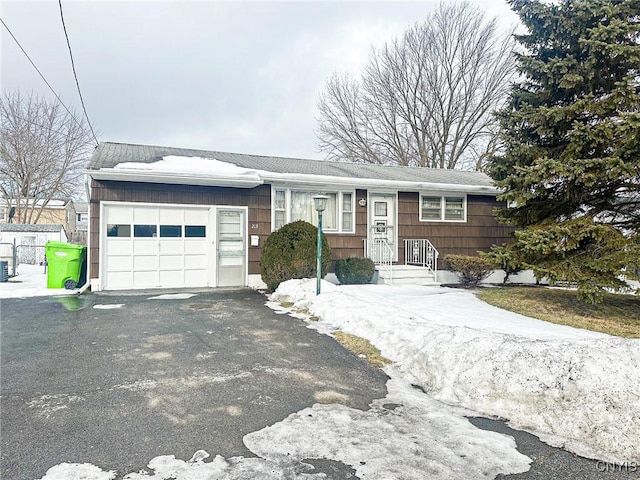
573	388
30	281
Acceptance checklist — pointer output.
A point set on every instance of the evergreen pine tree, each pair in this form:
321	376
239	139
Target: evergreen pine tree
571	130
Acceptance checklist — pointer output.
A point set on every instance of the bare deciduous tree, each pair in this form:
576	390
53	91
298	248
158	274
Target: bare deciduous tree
43	150
425	99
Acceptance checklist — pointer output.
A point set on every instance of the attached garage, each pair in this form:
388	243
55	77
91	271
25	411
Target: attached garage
167	246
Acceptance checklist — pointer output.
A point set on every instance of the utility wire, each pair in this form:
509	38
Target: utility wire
40	73
73	67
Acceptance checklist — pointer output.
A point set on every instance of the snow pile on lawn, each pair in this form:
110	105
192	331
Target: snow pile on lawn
404	435
30	281
571	387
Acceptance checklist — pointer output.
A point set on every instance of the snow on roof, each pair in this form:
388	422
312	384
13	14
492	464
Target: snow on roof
193	165
116	161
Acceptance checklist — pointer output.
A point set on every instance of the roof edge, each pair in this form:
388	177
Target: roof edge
262	177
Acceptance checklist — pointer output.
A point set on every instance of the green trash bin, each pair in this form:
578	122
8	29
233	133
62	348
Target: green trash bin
64	262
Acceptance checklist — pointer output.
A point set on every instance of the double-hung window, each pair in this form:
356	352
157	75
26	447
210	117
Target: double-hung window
443	208
289	205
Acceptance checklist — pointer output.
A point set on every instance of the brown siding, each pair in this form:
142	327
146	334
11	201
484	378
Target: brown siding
478	233
257	199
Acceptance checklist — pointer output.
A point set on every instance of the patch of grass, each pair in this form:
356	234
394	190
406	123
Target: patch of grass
617	315
362	348
286	304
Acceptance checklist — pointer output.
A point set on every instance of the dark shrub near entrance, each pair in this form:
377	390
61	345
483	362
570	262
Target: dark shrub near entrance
290	252
355	270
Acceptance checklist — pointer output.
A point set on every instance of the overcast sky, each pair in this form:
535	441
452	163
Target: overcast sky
230	76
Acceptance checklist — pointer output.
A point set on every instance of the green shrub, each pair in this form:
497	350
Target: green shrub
355	270
505	257
470	270
290	252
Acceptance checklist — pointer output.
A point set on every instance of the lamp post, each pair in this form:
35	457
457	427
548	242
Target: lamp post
320	203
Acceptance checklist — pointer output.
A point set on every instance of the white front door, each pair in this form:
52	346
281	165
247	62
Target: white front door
382	226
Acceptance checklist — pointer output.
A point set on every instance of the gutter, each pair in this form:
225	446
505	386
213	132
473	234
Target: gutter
87	191
259	177
368	183
239	181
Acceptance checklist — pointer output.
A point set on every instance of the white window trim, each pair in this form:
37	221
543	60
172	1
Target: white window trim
339	201
443	196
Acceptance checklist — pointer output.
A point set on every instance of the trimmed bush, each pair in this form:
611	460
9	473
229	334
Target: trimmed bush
352	271
290	252
470	270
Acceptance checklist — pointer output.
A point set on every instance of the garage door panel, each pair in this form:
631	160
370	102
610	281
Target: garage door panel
145	247
171	262
145	262
196	278
195	262
196	217
145	215
120	279
145	279
121	263
117	214
196	247
171	278
171	247
119	247
171	216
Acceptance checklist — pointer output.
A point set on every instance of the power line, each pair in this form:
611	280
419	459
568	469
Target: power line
73	67
41	75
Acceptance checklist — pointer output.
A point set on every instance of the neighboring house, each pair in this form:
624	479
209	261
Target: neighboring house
55	212
82	223
29	241
173	217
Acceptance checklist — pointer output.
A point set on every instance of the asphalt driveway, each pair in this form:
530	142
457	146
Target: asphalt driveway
116	387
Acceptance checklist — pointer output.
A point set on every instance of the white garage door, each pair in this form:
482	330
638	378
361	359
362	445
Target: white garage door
157	247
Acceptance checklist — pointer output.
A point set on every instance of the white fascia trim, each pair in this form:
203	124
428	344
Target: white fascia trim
262	177
368	183
239	181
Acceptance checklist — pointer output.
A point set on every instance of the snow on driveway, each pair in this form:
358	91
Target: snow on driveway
574	388
30	281
404	435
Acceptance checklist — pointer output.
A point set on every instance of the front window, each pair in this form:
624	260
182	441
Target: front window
438	208
290	205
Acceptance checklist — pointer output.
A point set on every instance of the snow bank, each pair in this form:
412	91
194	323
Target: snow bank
573	388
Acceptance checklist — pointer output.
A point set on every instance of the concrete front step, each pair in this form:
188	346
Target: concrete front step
407	275
408	281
